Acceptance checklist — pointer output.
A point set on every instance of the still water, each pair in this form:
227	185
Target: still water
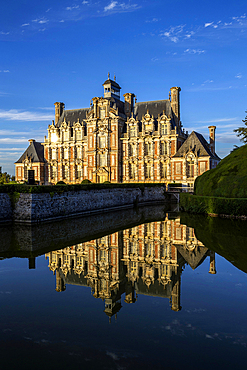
137	289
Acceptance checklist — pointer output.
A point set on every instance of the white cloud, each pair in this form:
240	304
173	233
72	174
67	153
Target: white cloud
5	71
85	2
4	33
194	51
152	20
25	24
208	24
40	20
72	7
116	7
239	75
234	119
110	6
174	34
17	115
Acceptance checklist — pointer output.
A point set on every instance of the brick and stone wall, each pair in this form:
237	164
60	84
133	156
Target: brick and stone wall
42	207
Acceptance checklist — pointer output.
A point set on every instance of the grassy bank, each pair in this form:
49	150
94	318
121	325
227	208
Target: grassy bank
213	205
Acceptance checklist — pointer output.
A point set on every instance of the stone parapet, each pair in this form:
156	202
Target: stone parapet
44	207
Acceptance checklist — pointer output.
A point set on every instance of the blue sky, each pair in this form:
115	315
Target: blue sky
62	51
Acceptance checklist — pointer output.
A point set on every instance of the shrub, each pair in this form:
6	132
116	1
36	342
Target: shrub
86	181
60	183
217	205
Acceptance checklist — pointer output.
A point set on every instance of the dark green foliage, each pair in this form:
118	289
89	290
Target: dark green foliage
216	205
227	237
86	181
61	183
228	179
5	178
242	131
107	182
21	188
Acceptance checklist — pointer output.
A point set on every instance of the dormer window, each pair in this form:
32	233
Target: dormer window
132	131
163	129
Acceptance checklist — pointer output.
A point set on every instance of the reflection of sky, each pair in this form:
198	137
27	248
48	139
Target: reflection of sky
73	324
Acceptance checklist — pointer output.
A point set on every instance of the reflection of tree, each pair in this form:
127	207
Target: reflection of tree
147	259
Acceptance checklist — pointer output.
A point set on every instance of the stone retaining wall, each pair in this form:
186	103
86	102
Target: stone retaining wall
6	213
44	207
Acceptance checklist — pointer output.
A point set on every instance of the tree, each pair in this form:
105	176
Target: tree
5	178
242	131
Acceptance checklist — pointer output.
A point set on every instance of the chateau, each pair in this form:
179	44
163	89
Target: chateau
119	141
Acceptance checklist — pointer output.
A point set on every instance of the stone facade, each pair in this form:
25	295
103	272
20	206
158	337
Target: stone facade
123	141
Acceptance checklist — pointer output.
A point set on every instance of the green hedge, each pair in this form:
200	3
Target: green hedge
218	205
21	188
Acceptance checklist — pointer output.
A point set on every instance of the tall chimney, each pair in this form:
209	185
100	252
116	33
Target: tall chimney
175	103
59	107
212	138
128	103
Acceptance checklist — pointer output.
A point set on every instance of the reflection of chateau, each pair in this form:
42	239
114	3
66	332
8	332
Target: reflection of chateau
119	141
147	259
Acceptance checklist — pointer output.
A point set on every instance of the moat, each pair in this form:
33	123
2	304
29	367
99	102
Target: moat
144	288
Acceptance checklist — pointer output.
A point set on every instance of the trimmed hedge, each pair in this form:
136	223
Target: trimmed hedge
217	205
228	179
21	188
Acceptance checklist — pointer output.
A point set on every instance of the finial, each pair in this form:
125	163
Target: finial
108	75
114	77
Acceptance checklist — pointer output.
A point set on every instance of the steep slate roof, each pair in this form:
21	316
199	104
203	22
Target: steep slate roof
194	259
196	143
155	108
34	151
113	83
72	116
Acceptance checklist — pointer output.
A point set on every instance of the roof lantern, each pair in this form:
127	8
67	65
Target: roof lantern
111	88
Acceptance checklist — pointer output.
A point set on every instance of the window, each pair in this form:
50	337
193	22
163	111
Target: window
178	233
78	135
202	167
102	141
163	171
131	149
66	136
102	160
163	148
53	172
178	168
163	129
79	152
148	148
190	169
54	153
66	153
113	160
148	170
78	172
132	131
132	171
19	171
66	172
